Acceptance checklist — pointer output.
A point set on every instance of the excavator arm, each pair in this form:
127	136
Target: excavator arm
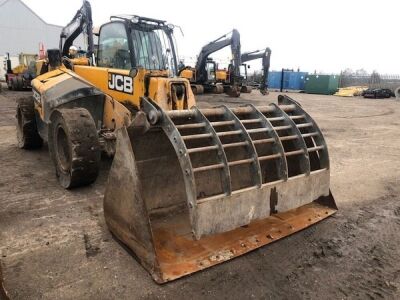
266	57
232	39
81	23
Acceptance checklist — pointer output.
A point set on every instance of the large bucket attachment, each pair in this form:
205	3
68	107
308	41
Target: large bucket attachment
204	186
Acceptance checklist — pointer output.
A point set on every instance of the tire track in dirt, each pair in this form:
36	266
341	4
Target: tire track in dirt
56	243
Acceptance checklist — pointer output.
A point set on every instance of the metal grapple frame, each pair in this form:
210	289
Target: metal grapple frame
202	186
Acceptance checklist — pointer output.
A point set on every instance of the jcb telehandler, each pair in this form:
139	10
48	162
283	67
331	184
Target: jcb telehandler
188	188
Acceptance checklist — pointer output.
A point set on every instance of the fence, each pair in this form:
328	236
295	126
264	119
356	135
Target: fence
374	80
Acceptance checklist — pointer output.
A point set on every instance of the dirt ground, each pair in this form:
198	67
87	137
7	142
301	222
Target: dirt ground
54	243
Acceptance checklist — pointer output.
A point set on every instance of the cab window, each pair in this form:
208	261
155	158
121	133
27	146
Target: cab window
210	67
243	71
152	49
113	49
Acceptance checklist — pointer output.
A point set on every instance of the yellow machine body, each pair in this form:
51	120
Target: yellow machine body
160	87
189	74
25	60
20	69
221	76
115	115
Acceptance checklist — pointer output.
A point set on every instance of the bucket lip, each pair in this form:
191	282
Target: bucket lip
179	256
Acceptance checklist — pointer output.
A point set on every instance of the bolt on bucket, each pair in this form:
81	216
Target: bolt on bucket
204	186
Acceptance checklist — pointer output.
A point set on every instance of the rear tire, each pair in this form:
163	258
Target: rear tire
20	84
74	147
8	81
27	134
14	84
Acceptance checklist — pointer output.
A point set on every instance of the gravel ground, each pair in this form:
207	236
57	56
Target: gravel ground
54	243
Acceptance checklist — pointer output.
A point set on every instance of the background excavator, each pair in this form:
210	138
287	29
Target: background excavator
204	76
265	55
188	188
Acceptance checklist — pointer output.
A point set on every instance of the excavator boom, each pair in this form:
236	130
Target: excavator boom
266	58
231	39
200	75
80	23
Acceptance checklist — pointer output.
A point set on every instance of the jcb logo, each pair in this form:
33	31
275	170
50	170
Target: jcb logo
120	83
36	96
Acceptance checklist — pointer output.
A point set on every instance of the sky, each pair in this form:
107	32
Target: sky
326	36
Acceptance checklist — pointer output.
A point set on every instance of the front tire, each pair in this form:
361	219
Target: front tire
27	134
74	147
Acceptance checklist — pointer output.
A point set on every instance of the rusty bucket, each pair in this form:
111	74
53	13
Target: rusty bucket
203	186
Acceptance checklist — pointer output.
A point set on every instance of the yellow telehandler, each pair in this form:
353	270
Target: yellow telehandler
188	188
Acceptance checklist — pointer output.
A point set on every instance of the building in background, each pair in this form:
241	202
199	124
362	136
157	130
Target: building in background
21	30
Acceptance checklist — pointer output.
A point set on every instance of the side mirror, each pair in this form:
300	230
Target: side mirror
133	72
248	66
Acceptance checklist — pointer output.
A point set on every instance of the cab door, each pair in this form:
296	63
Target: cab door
113	75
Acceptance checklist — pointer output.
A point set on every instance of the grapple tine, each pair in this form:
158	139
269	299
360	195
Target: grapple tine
208	185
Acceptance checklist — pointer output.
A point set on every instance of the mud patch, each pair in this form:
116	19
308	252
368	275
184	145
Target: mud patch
397	211
351	255
90	249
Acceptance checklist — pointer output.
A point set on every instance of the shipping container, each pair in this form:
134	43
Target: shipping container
291	80
322	84
295	80
274	79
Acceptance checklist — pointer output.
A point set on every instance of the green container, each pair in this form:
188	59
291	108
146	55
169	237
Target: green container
321	84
